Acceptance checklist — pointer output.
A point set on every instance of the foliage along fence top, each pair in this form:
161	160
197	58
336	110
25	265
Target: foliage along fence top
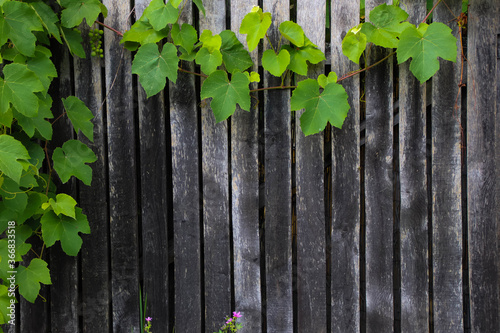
370	208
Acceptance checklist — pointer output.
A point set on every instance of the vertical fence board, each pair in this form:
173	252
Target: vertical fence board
379	190
482	150
186	198
311	256
154	211
277	163
345	273
215	196
122	173
413	180
245	198
94	201
446	188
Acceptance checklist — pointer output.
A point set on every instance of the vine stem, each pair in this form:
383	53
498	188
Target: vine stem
273	88
108	27
430	12
194	73
366	68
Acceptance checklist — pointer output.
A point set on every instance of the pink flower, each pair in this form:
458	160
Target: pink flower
229	320
236	314
148	319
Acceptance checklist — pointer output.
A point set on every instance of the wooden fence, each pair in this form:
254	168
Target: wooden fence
388	225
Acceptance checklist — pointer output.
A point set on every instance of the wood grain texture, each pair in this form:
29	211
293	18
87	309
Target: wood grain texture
123	205
278	187
447	190
310	203
345	237
245	198
482	155
379	190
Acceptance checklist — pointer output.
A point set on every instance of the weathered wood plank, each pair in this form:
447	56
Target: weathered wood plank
447	193
379	190
123	206
413	181
346	191
278	187
482	155
245	198
217	250
310	204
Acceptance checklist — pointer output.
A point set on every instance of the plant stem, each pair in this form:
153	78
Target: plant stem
430	12
366	68
269	40
273	88
107	26
189	72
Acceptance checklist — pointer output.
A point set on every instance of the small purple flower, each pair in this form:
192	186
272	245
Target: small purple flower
236	314
229	320
148	319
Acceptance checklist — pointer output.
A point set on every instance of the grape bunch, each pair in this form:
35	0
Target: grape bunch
96	43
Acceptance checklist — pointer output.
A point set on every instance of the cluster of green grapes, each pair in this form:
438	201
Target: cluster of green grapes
96	43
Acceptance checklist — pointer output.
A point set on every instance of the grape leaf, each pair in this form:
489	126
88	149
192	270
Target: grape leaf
142	32
323	80
185	36
71	159
160	13
29	278
175	3
18	87
64	204
17	23
252	77
48	18
320	108
35	200
234	55
38	122
153	67
80	116
255	25
13	197
386	25
354	44
74	41
208	61
65	229
12	152
300	56
212	43
425	45
5	304
293	32
275	63
226	93
43	67
76	10
199	4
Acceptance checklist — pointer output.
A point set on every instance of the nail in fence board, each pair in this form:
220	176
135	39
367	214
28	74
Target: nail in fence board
310	203
447	193
482	158
122	173
379	190
345	273
277	163
245	197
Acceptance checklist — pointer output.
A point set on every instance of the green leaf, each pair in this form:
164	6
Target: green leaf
275	63
35	200
212	43
293	32
76	10
38	123
425	45
354	44
48	18
43	67
386	25
324	80
12	153
226	93
160	13
64	204
80	116
199	5
234	55
18	87
208	61
255	25
13	196
153	67
254	77
65	229
29	278
142	32
320	108
74	41
300	56
5	303
71	159
185	37
17	23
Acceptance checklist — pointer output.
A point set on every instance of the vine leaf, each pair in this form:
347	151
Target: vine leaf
13	156
226	93
386	25
160	14
354	44
13	197
70	160
37	123
323	80
300	55
255	25
184	36
142	32
199	5
48	18
320	108
294	33
209	56
29	278
175	3
4	304
80	116
43	67
17	23
234	55
76	10
64	204
425	45
74	41
274	63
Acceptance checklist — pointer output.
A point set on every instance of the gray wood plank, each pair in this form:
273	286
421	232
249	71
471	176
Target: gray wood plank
447	192
482	157
346	191
413	181
310	204
379	190
245	197
123	205
278	187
